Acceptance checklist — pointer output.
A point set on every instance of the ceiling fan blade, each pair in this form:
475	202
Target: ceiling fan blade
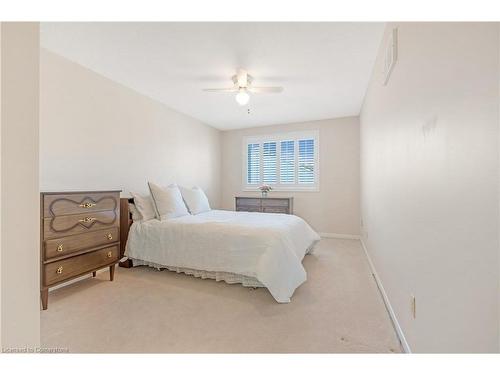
258	90
232	89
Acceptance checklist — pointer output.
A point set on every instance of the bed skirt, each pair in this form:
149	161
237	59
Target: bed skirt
228	277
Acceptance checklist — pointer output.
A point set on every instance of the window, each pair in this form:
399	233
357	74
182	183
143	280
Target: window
269	163
306	161
286	161
253	170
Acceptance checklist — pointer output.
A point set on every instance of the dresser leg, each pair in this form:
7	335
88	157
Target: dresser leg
111	272
94	274
44	295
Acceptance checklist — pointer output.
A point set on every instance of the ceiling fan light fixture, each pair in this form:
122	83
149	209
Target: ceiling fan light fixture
242	86
242	78
242	97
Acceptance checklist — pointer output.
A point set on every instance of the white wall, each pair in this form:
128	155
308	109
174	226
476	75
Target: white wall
97	134
19	198
429	177
0	184
335	207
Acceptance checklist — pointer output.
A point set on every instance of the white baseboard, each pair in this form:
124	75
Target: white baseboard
340	236
390	310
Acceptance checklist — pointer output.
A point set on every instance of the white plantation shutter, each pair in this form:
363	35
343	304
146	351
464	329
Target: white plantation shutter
287	162
284	161
269	163
253	163
306	161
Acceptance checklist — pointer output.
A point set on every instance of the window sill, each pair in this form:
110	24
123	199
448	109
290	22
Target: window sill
289	190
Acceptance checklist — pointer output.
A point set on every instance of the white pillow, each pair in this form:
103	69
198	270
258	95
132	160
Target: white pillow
145	206
196	200
168	201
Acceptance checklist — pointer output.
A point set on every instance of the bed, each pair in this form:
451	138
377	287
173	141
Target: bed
254	249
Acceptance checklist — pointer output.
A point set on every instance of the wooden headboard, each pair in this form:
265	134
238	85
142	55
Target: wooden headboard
125	223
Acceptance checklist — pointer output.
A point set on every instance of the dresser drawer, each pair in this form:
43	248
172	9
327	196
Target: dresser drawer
77	224
64	204
66	245
80	264
275	202
276	210
249	202
248	208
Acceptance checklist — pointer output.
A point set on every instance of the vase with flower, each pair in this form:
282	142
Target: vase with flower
265	189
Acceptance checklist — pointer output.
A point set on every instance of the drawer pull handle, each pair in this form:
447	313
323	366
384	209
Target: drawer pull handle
110	254
110	236
87	205
60	248
87	220
59	270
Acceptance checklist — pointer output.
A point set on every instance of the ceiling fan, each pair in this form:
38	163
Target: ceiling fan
243	87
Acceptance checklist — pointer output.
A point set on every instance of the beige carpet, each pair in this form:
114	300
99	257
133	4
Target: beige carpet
338	310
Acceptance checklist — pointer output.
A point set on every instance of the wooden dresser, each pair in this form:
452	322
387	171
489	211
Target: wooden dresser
79	234
270	205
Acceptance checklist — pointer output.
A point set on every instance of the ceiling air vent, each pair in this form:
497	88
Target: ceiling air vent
391	55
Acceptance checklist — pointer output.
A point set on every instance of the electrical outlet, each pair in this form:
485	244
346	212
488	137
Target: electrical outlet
414	307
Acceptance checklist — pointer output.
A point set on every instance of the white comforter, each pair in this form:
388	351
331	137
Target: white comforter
268	247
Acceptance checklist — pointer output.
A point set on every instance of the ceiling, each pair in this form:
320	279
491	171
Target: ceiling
323	67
